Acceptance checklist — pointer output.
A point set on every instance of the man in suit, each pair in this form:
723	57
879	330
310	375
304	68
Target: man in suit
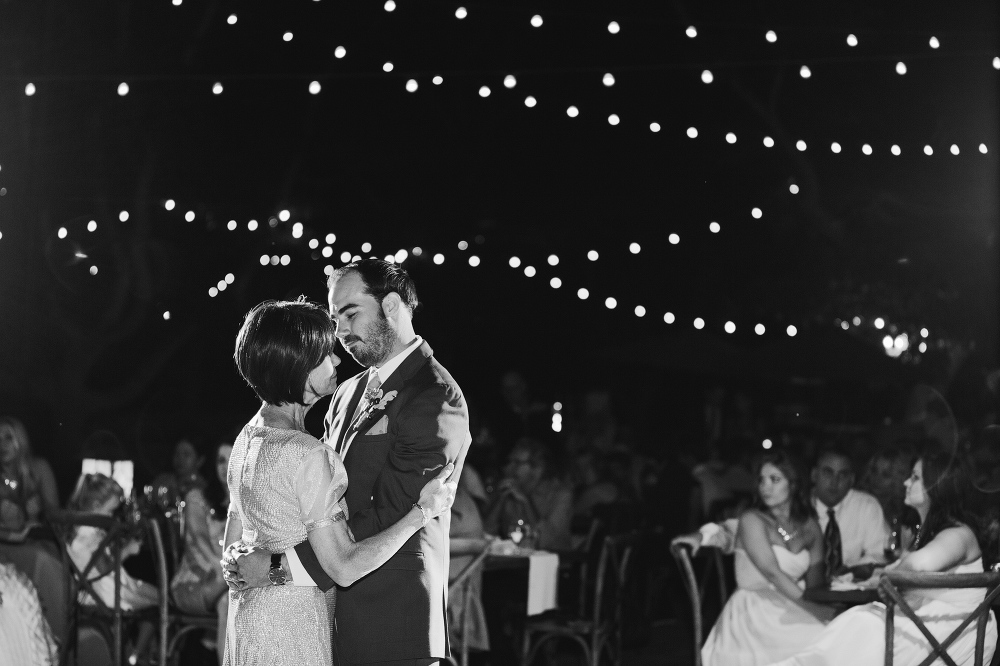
394	424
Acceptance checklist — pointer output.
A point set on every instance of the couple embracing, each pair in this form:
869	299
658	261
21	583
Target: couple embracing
363	515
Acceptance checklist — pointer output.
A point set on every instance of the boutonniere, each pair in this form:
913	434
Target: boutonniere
376	401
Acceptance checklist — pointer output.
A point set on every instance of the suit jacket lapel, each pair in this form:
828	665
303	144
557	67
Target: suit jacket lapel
345	413
396	382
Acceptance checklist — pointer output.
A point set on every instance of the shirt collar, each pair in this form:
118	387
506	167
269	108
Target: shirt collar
390	366
823	508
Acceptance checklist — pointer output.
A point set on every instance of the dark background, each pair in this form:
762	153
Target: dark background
912	239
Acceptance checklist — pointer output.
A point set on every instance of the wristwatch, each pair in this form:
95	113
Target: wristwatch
276	574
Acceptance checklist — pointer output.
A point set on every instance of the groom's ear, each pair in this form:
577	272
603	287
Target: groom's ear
391	304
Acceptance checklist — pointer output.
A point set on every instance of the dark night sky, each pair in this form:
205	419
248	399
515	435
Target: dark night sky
909	238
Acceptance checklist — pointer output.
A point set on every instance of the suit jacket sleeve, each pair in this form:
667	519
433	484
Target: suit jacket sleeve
430	431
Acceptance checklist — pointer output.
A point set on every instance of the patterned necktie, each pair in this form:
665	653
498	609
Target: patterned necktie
834	555
374	383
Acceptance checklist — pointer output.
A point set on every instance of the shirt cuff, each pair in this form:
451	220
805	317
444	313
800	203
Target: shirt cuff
300	577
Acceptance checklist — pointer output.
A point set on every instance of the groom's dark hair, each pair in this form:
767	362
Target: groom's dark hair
381	278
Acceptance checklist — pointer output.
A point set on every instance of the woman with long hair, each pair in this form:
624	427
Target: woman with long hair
27	484
779	552
947	541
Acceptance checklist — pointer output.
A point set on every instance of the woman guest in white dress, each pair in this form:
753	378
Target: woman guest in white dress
779	550
946	542
286	486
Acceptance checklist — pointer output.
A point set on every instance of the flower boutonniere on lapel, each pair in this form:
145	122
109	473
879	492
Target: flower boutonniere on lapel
376	400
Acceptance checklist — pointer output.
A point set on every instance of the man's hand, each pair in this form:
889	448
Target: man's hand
863	571
510	488
692	541
244	567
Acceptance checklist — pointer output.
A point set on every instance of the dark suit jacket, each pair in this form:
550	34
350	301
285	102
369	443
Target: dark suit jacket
398	611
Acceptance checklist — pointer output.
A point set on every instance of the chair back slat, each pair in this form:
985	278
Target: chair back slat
889	589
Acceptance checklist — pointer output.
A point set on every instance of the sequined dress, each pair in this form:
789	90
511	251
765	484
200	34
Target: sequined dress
282	483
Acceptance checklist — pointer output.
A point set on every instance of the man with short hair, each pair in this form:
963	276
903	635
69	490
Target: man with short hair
854	528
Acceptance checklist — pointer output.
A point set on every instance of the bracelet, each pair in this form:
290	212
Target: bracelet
425	516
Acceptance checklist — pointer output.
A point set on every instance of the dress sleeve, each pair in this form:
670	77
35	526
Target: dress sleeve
319	488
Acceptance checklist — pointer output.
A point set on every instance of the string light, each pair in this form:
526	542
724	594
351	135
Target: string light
166	316
610	303
593	255
122	89
692	132
730	327
954	149
934	43
654	127
691	32
231	20
759	329
924	333
674	239
791	330
982	148
901	68
213	292
217	88
768	142
411	85
706	76
514	262
669	317
29	89
553	260
801	145
530	101
582	294
169	204
92	226
285	260
387	67
389	5
327	252
461	13
339	52
634	248
835	147
852	40
93	270
555	283
613	119
509	81
314	88
640	311
252	225
332	238
264	260
438	259
866	149
189	216
530	271
614	28
730	138
437	80
895	150
536	21
608	80
287	36
805	72
572	112
757	213
62	232
771	36
714	227
401	256
699	323
767	444
473	261
928	151
123	216
793	188
879	323
463	245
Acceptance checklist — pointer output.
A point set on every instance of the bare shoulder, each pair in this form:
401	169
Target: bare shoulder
752	519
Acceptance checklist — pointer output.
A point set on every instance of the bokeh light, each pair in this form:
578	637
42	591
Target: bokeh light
706	76
555	283
593	255
509	81
461	13
614	28
530	271
634	248
699	323
730	327
514	262
610	303
608	79
714	227
484	91
536	21
674	239
572	112
473	260
669	317
759	329
791	330
582	294
530	101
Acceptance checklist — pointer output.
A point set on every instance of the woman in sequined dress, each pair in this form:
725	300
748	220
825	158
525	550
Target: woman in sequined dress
286	486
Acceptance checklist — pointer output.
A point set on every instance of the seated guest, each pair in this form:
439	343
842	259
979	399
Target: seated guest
531	499
96	493
467	539
198	588
171	487
947	542
29	490
883	479
779	546
853	525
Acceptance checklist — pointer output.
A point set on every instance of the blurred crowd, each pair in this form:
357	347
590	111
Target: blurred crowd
541	471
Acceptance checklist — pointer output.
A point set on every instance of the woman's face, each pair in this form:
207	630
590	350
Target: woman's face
186	460
222	462
8	445
916	494
773	486
322	381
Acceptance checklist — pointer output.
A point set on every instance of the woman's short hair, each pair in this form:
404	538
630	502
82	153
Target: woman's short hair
801	508
279	344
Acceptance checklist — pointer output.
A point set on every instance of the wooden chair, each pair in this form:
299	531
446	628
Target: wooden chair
108	620
890	590
696	589
462	583
597	628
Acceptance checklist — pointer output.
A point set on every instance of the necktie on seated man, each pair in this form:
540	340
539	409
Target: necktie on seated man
834	556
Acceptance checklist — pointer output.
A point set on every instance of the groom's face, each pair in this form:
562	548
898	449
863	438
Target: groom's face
362	327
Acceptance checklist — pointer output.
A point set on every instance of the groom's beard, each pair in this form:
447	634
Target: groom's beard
375	346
